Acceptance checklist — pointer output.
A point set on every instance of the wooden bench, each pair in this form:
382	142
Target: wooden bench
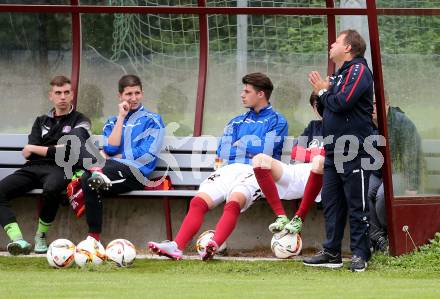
186	160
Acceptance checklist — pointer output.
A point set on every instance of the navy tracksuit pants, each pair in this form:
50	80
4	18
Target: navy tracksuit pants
346	194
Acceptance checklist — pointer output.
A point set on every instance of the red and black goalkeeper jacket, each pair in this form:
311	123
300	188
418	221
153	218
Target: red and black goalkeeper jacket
309	144
348	104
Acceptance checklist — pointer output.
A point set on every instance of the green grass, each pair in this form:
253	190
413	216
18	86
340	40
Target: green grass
416	275
31	277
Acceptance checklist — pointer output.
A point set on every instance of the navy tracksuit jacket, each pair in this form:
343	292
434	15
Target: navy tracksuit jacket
346	108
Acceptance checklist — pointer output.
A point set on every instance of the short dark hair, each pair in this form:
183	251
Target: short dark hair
313	98
356	41
59	81
128	81
260	82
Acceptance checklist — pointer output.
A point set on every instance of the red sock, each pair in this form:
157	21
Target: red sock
227	222
95	235
192	222
268	187
313	186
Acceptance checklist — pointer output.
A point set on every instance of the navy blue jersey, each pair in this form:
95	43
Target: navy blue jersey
312	135
348	104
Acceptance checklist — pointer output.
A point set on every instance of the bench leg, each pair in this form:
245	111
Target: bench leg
167	211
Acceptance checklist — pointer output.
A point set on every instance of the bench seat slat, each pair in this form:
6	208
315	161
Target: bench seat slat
183	178
4	172
158	193
187	160
11	158
187	178
13	140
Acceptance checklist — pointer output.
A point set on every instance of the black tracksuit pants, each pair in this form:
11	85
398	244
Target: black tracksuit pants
378	215
346	194
49	177
39	174
114	170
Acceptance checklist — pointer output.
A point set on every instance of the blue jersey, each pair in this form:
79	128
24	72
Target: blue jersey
252	133
141	141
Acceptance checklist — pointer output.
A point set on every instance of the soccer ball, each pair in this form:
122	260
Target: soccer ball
285	245
121	251
60	253
89	251
203	240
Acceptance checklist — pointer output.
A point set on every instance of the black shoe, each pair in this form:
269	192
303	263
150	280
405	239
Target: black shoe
99	181
324	259
358	264
382	245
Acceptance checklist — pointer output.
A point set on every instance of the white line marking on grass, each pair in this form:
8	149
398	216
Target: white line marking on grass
192	257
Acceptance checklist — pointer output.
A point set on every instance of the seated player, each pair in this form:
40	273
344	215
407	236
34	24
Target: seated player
132	142
41	169
281	181
260	129
407	165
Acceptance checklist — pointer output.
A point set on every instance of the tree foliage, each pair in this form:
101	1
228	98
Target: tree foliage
280	34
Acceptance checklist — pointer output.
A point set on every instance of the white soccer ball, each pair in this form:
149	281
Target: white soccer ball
121	251
203	240
89	252
285	245
60	253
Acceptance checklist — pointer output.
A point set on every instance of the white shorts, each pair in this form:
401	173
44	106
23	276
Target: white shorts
292	183
232	178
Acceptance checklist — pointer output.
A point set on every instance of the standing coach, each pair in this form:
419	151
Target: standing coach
346	101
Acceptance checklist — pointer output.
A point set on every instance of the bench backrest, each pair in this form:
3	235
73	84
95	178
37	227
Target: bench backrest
193	157
187	160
